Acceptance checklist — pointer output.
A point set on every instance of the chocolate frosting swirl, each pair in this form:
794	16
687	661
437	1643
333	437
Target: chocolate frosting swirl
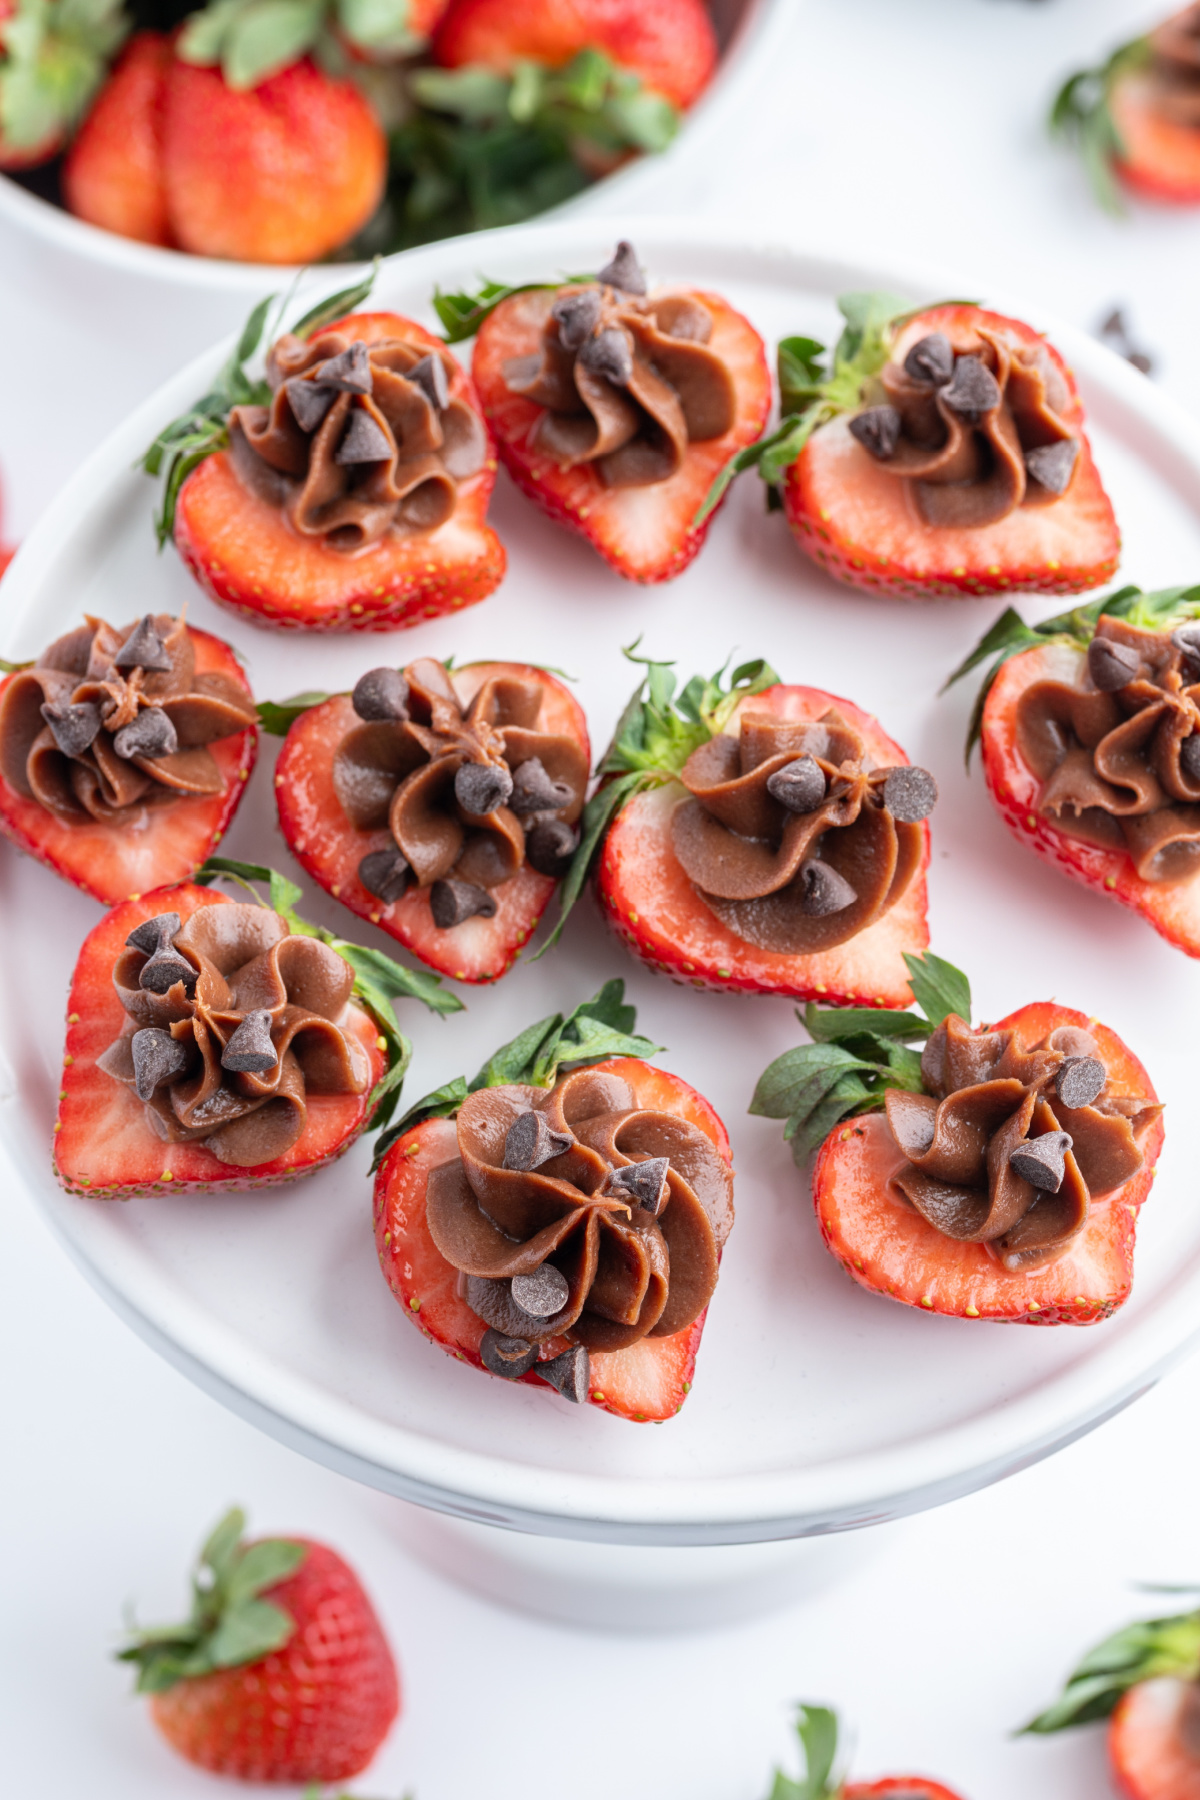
1175	67
968	1138
359	439
107	720
1120	766
631	1270
234	967
975	428
797	881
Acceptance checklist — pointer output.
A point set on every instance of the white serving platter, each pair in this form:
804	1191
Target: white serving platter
816	1406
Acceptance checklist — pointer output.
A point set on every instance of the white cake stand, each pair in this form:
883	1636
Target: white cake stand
817	1407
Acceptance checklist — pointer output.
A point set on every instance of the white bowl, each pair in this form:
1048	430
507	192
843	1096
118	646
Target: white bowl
816	1406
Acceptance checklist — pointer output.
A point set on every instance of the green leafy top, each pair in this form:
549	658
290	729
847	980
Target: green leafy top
53	58
1159	611
229	1624
856	1054
1137	1653
462	314
378	981
251	39
597	1029
183	444
817	1732
1082	115
655	735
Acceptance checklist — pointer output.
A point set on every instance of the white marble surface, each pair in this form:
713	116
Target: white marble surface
911	126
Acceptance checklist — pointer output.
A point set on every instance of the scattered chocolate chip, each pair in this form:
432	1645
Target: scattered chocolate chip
381	694
534	790
823	890
385	873
430	376
1189	756
1041	1160
480	788
250	1050
1187	639
154	934
365	441
645	1183
157	1057
972	390
531	1140
624	271
909	794
1054	464
877	430
542	1293
931	360
143	649
799	785
166	965
150	735
1111	665
451	902
349	371
506	1356
570	1373
550	847
1080	1080
609	354
1114	331
577	316
73	727
309	401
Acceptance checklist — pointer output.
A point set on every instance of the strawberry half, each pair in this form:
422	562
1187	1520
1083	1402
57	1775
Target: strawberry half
1136	118
116	859
817	1733
1150	1746
324	842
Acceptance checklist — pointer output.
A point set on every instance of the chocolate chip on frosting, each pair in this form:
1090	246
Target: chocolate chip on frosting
430	376
910	794
973	390
531	1140
931	360
250	1050
821	890
1080	1080
534	790
143	649
799	785
645	1183
877	430
309	401
624	271
507	1356
1187	639
73	727
480	788
570	1373
1054	464
381	694
542	1293
1189	756
386	874
166	965
151	734
157	1057
349	371
1042	1160
550	847
154	934
1111	665
576	316
364	442
609	354
452	902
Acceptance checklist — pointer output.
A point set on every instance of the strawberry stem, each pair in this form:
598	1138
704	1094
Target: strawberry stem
1135	1654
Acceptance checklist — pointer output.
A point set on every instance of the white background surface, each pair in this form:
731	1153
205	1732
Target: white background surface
909	128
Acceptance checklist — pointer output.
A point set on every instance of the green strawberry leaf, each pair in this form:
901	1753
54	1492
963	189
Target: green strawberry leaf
14	668
336	306
1135	1654
817	1732
462	314
938	987
278	716
248	1631
1081	115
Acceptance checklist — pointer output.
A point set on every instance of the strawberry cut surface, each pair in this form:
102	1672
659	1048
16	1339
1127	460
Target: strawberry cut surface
246	556
860	523
655	911
647	1381
149	846
885	1246
1149	1758
898	1787
1173	908
324	842
103	1146
1159	157
645	533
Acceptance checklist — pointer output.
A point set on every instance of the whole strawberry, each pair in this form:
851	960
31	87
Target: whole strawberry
281	1672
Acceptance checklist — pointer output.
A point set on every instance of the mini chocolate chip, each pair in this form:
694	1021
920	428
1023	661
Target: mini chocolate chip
166	965
543	1292
931	360
570	1373
451	902
365	441
973	390
877	430
1111	665
609	354
309	401
430	376
480	788
645	1183
624	271
799	785
250	1050
1080	1080
381	694
385	873
1187	639
909	794
531	1140
823	890
150	735
1041	1160
550	847
157	1057
1189	756
506	1356
534	790
143	649
155	933
350	370
577	316
73	727
1053	465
